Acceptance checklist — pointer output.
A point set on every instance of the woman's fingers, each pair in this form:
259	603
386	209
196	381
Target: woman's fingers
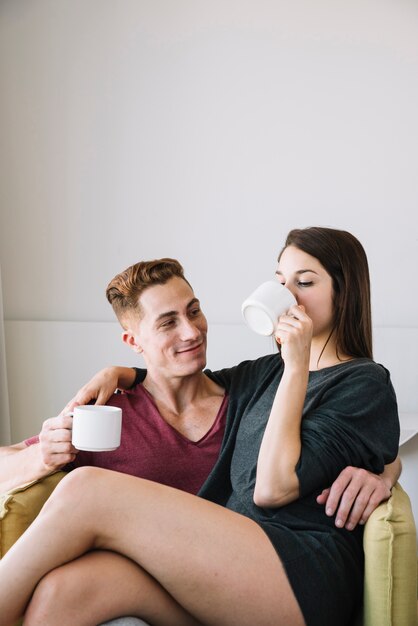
293	325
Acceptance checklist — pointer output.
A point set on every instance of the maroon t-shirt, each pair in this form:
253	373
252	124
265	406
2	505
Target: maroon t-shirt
150	448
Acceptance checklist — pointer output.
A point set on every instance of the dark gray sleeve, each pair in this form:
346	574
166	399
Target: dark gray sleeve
139	376
222	377
355	424
243	379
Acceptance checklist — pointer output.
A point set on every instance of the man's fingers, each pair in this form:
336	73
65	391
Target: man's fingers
353	497
336	491
69	408
379	495
353	504
59	435
60	447
102	397
323	496
365	502
57	461
56	423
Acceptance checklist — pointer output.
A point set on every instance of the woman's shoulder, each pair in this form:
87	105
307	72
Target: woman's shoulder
362	376
247	371
369	369
355	367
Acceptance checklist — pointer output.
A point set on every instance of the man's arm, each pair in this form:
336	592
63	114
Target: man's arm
101	387
20	464
356	493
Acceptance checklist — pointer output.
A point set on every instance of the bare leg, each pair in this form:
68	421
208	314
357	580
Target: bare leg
100	586
218	565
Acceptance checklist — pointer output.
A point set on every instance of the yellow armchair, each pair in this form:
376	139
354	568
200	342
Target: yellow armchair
20	506
390	548
390	553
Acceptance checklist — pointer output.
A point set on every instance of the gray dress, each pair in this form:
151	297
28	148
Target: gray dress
350	418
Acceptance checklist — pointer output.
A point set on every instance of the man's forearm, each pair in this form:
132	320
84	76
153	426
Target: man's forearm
19	466
126	377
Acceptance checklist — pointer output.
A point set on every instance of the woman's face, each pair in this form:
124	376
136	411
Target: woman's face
311	285
171	334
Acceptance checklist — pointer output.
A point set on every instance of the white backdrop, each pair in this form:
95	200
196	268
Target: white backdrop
5	430
205	131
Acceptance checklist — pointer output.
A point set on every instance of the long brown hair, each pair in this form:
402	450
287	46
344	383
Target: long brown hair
345	260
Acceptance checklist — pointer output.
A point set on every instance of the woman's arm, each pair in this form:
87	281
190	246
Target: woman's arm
277	482
354	422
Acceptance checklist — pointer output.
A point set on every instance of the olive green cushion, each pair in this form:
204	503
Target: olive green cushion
20	506
390	550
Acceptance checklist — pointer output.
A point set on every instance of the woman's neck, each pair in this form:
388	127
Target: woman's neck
324	353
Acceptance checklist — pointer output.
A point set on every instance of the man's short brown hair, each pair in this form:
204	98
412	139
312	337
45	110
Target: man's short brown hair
125	289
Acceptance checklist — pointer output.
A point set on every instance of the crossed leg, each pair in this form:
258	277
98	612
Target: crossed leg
219	566
100	586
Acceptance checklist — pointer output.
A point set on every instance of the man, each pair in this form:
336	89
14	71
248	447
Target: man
173	421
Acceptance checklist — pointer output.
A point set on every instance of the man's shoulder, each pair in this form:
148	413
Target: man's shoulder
124	398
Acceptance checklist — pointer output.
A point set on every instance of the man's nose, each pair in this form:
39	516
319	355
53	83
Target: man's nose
189	330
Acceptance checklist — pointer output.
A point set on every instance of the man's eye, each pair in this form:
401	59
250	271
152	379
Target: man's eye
167	324
195	312
305	283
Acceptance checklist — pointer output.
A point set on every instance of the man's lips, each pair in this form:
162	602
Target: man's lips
191	348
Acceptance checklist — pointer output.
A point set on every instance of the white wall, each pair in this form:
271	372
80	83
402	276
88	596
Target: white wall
205	131
5	430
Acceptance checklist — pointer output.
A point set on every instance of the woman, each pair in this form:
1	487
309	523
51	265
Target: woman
258	549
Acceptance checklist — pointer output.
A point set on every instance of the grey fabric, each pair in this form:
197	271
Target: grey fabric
125	621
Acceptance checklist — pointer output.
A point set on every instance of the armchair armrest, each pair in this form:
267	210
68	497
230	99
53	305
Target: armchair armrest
20	506
390	552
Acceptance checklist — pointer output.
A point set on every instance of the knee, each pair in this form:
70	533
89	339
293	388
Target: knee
49	597
80	481
82	478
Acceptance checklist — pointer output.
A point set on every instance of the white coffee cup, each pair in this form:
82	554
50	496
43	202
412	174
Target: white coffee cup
262	309
97	428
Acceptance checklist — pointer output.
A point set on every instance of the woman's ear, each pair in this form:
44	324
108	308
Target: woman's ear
130	340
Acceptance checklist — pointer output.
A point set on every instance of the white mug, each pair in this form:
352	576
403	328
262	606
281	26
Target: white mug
262	309
96	428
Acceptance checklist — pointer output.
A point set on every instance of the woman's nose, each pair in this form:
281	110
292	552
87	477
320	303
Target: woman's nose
289	286
292	290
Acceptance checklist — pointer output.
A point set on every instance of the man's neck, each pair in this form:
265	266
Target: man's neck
179	393
189	404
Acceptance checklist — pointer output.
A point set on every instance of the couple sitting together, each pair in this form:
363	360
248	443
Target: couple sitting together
216	508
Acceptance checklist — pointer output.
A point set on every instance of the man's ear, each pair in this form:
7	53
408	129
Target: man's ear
129	339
